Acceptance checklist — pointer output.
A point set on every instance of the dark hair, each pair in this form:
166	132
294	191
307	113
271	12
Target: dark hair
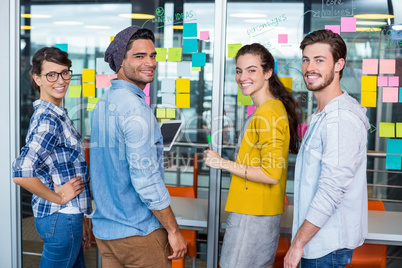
338	46
277	89
51	54
140	34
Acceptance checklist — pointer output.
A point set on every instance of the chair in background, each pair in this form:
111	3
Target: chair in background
370	255
283	246
189	235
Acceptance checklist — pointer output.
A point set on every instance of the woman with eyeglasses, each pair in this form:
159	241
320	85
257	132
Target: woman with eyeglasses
52	165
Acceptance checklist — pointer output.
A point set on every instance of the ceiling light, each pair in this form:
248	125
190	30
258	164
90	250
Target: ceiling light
35	16
255	20
100	27
68	22
374	16
247	15
371	23
26	27
367	29
397	27
178	27
137	16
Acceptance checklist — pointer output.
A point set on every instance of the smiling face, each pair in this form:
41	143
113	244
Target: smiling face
250	76
138	67
53	92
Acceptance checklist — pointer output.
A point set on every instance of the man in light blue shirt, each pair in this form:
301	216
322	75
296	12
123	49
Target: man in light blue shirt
330	204
133	222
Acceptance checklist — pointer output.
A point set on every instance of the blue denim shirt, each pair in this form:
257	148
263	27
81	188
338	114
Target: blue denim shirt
126	163
330	178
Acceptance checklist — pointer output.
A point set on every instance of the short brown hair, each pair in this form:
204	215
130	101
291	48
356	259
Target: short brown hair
338	46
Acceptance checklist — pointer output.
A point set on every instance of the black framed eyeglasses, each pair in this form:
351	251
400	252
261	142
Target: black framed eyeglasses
53	76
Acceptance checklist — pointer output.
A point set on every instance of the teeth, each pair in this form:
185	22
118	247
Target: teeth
244	85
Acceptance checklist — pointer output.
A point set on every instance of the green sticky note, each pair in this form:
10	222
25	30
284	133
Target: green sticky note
243	100
160	54
160	113
174	54
92	103
74	91
399	130
170	113
232	50
387	130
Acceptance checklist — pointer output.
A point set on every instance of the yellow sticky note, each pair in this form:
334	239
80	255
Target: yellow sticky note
88	75
174	54
170	113
232	50
387	130
160	54
111	39
160	113
165	119
92	103
74	91
183	85
88	89
183	100
369	99
287	82
196	69
399	130
369	83
243	100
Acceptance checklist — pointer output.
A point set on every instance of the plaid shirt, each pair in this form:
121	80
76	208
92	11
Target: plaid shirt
54	153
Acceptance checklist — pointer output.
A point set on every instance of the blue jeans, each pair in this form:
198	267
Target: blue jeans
62	235
336	259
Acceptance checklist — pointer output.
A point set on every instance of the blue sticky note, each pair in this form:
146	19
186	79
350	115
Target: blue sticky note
199	59
400	94
276	67
62	47
189	45
394	146
189	29
393	161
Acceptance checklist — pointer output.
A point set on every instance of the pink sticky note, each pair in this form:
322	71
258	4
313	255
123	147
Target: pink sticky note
334	28
148	100
348	24
370	66
382	81
146	89
204	35
282	38
102	80
390	94
250	110
393	81
301	129
387	66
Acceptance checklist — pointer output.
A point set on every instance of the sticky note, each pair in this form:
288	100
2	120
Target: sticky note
92	103
390	94
198	59
276	67
232	50
183	100
88	89
393	81
160	54
387	66
170	113
393	161
399	130
112	76
74	91
111	39
189	29
394	146
370	66
168	85
334	28
387	129
282	38
148	100
62	47
190	45
160	113
204	35
301	129
243	100
165	119
169	99
196	69
184	68
102	80
287	82
400	94
88	75
382	81
369	83
183	85
369	99
348	24
146	89
250	110
174	54
102	66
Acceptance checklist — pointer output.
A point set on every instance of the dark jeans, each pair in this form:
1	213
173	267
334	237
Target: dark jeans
336	259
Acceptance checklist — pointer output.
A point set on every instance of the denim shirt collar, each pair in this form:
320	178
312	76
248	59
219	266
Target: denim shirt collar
61	111
117	84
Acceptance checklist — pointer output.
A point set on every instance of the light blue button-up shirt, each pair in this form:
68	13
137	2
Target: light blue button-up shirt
126	154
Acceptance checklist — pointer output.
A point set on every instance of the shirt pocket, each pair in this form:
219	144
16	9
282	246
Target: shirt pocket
314	151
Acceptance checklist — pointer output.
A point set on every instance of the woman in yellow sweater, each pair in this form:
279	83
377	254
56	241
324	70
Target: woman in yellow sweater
257	190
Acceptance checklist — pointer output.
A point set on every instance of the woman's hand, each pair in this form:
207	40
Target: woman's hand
213	159
69	190
86	235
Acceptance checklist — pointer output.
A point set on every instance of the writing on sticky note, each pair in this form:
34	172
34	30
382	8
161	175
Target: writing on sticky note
102	80
334	28
369	99
183	85
390	94
189	29
282	38
74	91
393	161
393	81
204	35
183	100
369	83
190	45
387	66
232	50
168	85
287	82
174	54
184	69
170	113
88	75
92	103
370	66
88	89
169	99
62	47
243	100
198	59
387	129
250	110
382	81
348	24
160	113
160	54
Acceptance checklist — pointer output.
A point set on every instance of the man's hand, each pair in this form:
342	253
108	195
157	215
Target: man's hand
293	257
86	235
179	246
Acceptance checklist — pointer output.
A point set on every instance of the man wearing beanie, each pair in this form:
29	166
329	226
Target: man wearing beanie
133	223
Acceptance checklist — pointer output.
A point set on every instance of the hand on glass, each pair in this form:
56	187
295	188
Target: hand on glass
70	189
213	159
